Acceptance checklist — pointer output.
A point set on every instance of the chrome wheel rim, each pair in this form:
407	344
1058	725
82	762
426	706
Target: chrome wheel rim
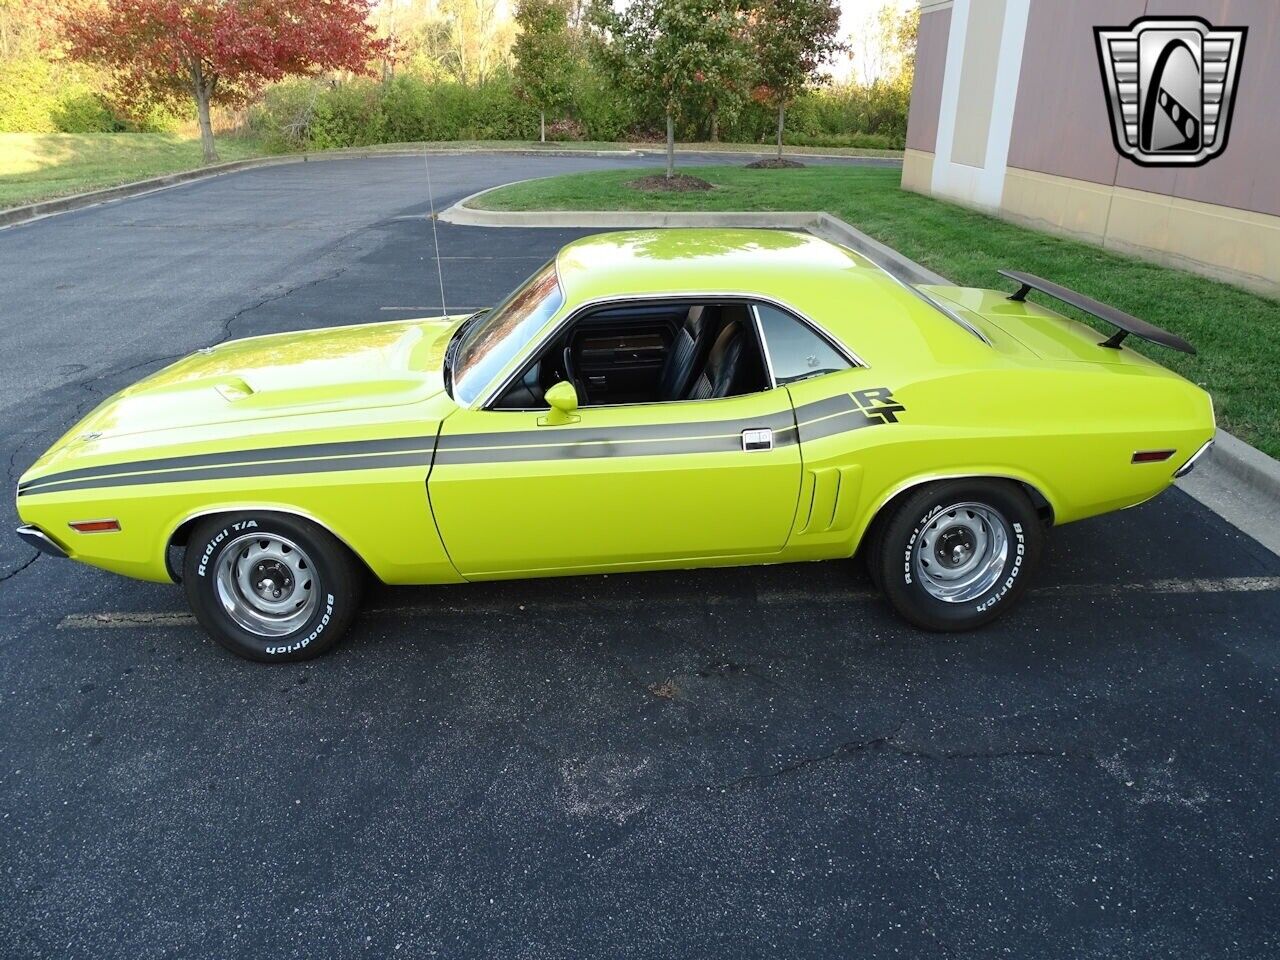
960	555
267	584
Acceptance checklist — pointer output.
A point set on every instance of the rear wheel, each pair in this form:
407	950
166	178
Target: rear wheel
270	587
955	554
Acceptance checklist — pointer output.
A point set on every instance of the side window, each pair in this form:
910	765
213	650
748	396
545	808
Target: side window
647	352
795	351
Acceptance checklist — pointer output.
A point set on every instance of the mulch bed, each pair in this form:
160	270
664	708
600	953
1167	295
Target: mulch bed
680	183
773	163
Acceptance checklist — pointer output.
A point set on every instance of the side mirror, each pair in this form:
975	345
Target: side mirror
563	400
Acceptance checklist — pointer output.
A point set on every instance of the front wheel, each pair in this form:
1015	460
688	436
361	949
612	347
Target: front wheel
270	587
956	554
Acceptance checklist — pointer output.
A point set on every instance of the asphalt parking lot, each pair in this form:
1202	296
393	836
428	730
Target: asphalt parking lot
756	762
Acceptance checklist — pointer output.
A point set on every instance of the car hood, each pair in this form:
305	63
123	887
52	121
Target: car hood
281	375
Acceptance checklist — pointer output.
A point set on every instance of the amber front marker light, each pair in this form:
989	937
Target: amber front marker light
1152	456
95	526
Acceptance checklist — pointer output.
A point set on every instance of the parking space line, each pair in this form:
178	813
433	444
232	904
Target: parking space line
165	619
1194	585
88	621
435	308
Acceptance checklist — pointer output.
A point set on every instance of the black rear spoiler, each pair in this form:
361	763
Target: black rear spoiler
1125	323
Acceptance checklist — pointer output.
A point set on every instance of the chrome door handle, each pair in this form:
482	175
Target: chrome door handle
761	439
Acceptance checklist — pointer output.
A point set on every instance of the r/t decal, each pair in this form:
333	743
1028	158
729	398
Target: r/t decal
877	405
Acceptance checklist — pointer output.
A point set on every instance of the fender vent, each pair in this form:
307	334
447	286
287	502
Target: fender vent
828	500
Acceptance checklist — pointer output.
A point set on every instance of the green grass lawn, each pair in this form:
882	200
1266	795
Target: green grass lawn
38	166
1237	333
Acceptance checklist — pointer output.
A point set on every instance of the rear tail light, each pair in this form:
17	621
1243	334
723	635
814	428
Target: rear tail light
1152	456
95	526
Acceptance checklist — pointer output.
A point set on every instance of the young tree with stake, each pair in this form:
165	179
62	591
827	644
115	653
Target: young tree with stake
668	52
790	41
543	53
217	51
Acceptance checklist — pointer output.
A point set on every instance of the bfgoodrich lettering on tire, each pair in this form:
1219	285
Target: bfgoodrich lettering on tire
270	587
957	553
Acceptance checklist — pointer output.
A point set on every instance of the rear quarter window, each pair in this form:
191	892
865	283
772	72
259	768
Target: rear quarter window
796	351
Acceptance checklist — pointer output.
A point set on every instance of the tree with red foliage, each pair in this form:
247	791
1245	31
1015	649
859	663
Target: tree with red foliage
220	51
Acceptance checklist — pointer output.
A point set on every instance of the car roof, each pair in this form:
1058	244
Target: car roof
681	259
846	293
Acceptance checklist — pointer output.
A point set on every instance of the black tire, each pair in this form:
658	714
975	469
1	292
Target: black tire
926	517
872	547
312	567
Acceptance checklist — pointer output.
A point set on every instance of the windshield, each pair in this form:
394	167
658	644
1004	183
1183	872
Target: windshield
490	343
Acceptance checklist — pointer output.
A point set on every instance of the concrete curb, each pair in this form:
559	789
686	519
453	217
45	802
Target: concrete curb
1247	464
464	217
14	216
815	221
902	267
45	208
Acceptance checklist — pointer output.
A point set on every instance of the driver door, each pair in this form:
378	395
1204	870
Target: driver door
680	483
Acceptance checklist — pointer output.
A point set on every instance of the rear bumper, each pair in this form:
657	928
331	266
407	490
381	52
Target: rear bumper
35	537
1190	465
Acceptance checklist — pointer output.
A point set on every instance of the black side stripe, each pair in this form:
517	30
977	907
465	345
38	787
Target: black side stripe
725	436
824	408
564	435
729	443
421	458
299	452
841	423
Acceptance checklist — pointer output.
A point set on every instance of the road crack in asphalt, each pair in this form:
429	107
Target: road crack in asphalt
228	322
10	574
891	743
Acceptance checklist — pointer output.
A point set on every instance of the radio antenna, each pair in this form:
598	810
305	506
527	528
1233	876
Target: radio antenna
435	236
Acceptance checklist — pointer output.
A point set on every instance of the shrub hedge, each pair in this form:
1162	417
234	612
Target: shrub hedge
42	96
38	96
317	114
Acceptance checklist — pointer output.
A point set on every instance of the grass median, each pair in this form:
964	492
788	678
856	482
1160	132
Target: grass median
1237	333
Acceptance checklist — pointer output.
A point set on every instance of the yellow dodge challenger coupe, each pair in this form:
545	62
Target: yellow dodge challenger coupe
647	400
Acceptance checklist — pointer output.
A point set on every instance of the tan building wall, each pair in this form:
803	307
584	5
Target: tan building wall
926	95
1061	171
926	88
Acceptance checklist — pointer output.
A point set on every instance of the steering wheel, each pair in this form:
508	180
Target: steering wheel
572	376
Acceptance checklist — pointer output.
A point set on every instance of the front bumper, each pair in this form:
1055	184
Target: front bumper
35	537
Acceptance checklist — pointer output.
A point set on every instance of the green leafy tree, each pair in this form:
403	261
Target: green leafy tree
478	40
670	54
883	46
904	31
790	42
728	73
544	56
